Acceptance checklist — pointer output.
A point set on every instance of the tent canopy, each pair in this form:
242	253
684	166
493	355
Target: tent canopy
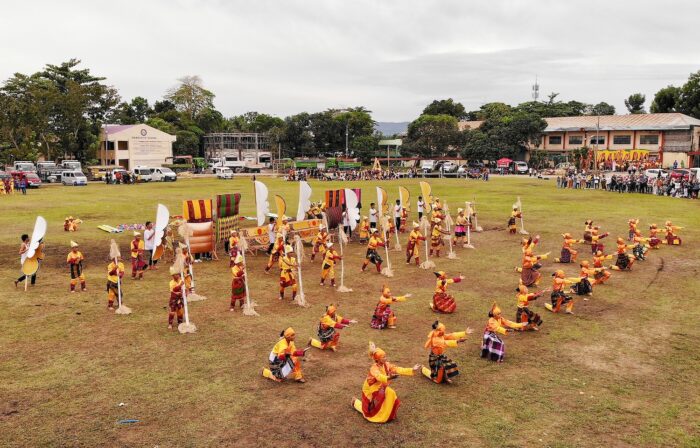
503	162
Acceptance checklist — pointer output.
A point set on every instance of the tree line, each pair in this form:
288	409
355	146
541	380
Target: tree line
58	113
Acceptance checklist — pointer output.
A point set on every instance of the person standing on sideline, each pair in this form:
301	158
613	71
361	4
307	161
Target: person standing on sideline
373	216
23	184
397	215
421	207
149	239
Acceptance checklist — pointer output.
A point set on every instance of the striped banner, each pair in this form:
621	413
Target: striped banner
198	210
334	198
227	205
224	227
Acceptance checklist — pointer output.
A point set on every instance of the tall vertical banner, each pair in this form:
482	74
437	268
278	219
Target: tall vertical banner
304	200
426	191
262	206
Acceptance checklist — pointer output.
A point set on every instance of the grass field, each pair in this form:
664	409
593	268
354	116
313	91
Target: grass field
623	371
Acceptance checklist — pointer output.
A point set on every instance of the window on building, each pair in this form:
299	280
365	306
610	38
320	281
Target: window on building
575	140
599	140
622	139
555	139
649	139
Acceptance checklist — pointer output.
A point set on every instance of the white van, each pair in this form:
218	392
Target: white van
142	173
520	167
223	172
427	166
163	174
73	178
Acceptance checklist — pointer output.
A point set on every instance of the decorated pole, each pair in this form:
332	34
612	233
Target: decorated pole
342	240
425	227
249	307
179	266
477	227
522	223
300	299
114	254
448	222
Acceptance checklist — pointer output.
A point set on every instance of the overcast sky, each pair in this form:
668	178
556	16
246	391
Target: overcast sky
393	57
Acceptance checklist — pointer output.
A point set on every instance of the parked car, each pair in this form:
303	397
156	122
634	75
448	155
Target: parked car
223	172
73	178
519	167
163	174
680	173
695	172
654	173
142	173
427	166
449	167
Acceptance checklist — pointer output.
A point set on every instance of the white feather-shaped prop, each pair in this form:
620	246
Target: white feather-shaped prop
351	203
162	218
425	229
477	227
262	206
114	250
304	200
249	306
37	235
519	204
300	298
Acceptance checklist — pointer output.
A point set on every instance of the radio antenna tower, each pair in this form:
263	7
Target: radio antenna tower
535	90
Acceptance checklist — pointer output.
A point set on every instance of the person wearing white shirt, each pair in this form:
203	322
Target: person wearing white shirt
149	243
373	216
271	235
397	215
421	207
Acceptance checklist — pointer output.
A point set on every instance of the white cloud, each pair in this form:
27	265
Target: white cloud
393	57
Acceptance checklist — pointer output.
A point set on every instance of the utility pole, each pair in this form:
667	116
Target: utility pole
347	137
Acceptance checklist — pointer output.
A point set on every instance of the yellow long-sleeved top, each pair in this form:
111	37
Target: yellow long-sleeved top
438	344
288	264
114	270
330	257
515	214
238	272
137	247
524	299
380	376
530	244
364	228
278	245
374	242
337	321
598	260
441	284
74	257
569	242
558	284
321	237
233	242
415	236
284	348
530	260
499	325
388	300
461	220
436	234
622	248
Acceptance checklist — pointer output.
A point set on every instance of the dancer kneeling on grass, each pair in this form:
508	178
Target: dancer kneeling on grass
379	402
654	240
524	314
529	272
115	272
383	316
640	246
328	266
596	245
601	274
442	369
568	254
414	239
671	237
285	359
443	302
330	322
558	296
624	260
237	282
492	346
372	256
584	287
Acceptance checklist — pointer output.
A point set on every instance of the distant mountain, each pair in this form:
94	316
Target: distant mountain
389	128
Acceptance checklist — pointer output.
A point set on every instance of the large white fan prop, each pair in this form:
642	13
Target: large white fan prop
162	220
304	200
299	249
477	227
37	235
384	224
469	212
351	203
262	207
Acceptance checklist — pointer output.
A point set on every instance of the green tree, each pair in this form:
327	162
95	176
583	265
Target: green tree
689	100
434	135
602	108
190	96
365	147
666	100
296	138
635	103
446	107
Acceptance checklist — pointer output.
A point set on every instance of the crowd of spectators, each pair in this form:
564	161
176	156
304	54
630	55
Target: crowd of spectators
632	182
348	175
